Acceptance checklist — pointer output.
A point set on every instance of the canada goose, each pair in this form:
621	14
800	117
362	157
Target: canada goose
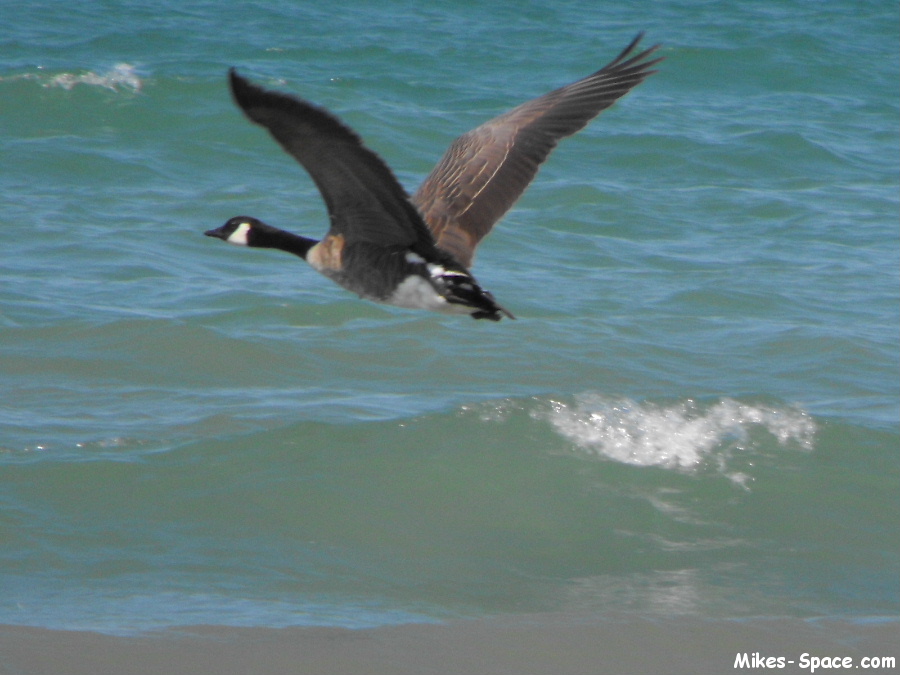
416	252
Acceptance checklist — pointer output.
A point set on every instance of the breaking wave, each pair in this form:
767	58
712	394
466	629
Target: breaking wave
682	435
120	76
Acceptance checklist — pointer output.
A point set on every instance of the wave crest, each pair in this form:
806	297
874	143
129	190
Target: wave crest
683	435
120	76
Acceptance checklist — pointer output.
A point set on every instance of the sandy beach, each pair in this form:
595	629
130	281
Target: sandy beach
538	644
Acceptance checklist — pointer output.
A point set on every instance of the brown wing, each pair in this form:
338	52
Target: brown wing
486	170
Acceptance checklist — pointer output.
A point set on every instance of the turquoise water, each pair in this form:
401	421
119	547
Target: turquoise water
696	412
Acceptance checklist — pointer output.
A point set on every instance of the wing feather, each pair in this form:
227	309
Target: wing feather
365	201
487	169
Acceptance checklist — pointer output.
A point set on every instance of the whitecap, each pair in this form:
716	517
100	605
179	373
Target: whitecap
682	435
120	76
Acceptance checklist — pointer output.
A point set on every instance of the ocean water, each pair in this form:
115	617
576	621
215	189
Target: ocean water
696	412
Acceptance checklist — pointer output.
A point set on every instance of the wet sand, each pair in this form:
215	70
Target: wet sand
538	644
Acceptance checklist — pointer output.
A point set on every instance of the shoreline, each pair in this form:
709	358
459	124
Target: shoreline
515	645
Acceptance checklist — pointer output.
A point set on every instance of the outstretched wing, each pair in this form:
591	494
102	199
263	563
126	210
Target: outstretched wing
487	169
364	199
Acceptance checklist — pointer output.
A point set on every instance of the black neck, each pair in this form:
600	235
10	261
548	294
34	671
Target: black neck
270	237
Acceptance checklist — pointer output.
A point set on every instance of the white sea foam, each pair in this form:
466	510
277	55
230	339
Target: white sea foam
682	435
120	76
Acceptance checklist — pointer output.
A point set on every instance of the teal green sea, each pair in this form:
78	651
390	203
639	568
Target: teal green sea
696	413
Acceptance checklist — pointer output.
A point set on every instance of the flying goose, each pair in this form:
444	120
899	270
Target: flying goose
415	252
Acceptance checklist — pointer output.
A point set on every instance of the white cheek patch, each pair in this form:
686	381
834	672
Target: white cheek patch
239	236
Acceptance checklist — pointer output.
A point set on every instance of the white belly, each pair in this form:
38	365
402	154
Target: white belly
416	293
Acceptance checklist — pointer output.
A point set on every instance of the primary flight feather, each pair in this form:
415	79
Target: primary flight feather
415	251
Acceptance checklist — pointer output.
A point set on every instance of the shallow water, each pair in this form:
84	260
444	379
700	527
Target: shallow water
696	412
